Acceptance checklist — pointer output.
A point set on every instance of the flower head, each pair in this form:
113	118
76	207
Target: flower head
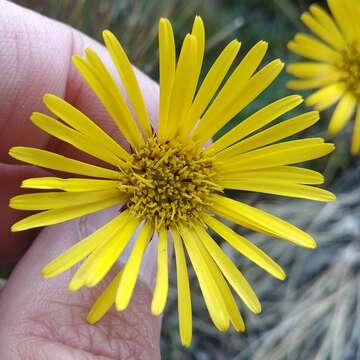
170	183
334	66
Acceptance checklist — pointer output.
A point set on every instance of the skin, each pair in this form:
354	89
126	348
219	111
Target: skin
40	319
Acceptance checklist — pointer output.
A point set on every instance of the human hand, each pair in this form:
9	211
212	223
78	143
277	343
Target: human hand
40	319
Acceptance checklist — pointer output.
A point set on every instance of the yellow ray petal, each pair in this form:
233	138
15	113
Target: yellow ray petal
132	267
279	187
238	81
310	69
273	134
327	22
105	301
342	114
355	145
74	138
183	288
210	85
326	96
259	220
104	86
231	273
55	216
184	84
57	200
232	308
311	48
69	184
213	298
343	18
256	121
167	60
285	153
315	82
129	80
245	247
99	262
83	248
322	32
79	121
162	281
285	173
198	30
213	120
53	161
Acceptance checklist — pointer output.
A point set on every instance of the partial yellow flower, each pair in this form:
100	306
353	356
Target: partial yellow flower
334	66
171	184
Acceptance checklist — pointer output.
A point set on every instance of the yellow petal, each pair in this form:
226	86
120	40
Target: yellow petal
355	145
234	86
256	121
279	187
53	161
245	247
285	153
162	281
213	298
308	46
323	32
184	84
342	113
214	119
231	273
285	173
104	86
310	69
57	200
326	96
259	220
232	308
74	138
183	289
69	184
198	30
55	216
343	18
167	60
129	80
79	121
83	248
315	82
132	267
210	85
105	301
99	262
272	134
328	23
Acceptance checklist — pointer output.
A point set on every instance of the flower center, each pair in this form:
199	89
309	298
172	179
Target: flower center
350	67
168	181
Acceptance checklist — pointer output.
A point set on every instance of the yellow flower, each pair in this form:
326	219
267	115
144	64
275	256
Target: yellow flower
334	68
171	184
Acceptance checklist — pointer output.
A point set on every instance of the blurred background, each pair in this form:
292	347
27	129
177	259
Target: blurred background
315	312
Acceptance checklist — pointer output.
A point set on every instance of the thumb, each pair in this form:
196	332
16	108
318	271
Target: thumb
42	319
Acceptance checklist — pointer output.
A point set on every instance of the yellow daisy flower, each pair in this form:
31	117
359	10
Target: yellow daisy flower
171	184
334	66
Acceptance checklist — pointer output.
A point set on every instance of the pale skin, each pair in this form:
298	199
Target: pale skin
40	319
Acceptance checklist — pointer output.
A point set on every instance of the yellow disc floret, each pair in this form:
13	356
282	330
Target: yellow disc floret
168	181
350	68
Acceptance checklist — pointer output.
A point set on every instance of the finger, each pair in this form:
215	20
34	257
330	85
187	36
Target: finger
41	319
35	54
